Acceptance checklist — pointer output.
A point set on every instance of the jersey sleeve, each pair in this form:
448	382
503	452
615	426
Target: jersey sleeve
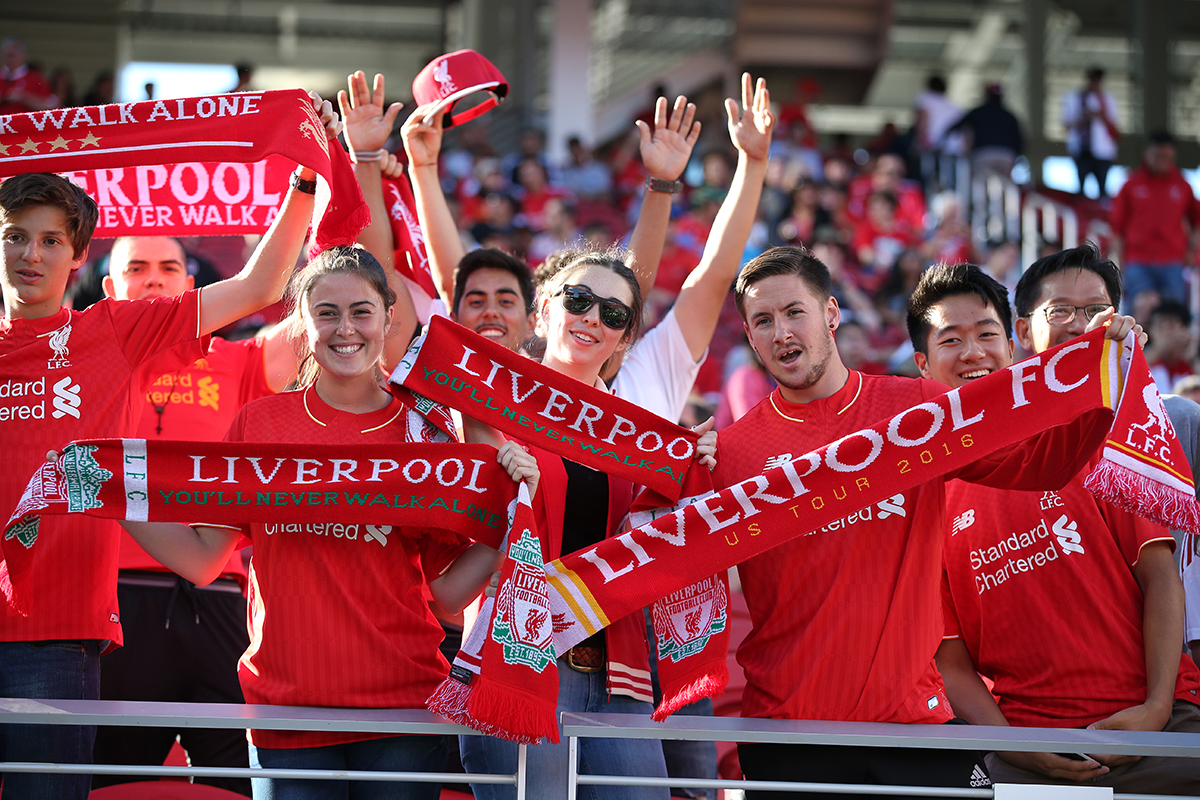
165	330
437	555
254	371
659	371
1132	532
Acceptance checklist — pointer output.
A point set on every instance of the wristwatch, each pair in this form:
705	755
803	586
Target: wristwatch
301	185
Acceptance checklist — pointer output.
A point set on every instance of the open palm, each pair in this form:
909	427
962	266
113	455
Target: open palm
666	152
751	125
367	124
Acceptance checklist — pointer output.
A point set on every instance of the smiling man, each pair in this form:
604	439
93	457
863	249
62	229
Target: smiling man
846	623
1060	558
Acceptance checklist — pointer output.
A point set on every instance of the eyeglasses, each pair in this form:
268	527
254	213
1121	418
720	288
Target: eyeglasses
1065	315
579	299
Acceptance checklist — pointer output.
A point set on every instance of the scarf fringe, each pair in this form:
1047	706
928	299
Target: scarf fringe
1139	494
526	719
710	684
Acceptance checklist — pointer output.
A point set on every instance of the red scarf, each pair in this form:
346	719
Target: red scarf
1144	470
412	259
424	488
168	136
504	680
454	366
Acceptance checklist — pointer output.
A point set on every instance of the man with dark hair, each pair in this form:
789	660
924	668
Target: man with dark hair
806	658
1156	224
493	296
1170	348
1012	557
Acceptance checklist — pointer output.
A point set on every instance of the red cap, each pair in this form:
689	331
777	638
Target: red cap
451	77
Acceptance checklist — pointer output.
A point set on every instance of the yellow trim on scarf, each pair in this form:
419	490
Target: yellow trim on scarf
568	574
1151	461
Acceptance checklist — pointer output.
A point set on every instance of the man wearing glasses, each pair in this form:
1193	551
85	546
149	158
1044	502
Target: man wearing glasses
1072	606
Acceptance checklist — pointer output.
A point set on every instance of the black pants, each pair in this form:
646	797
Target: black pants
1087	164
182	644
896	766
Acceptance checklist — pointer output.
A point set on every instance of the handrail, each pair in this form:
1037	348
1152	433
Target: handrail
861	734
574	727
20	711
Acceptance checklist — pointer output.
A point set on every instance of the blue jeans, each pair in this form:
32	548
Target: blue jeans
389	754
1165	279
59	670
546	764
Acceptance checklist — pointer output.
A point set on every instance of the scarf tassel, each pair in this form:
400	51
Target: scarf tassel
1142	495
710	684
527	719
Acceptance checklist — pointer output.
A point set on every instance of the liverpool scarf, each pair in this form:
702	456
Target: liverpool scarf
451	365
423	488
412	259
172	167
504	680
1143	469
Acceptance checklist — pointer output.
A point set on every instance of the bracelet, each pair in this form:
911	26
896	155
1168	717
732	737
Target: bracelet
366	156
666	187
301	185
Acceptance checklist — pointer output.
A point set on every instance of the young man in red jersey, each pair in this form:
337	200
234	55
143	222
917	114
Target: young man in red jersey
847	621
68	375
1071	605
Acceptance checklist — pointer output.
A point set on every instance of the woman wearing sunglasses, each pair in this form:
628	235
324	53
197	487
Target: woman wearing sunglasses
589	311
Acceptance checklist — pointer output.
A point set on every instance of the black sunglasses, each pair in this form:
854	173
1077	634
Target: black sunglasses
578	299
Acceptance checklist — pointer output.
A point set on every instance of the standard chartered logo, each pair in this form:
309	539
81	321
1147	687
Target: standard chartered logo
66	399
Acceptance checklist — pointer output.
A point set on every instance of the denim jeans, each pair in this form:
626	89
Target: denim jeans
59	670
388	754
1166	279
546	764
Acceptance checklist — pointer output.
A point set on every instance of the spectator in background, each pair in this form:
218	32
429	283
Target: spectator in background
935	113
23	88
561	230
101	91
855	303
1170	347
62	84
583	175
1090	117
1155	222
854	345
888	175
535	191
747	386
996	138
532	144
881	237
245	74
806	217
1189	387
950	241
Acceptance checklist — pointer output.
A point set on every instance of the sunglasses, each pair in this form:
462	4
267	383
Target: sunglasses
579	299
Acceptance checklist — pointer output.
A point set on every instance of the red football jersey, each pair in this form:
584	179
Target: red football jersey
79	375
1040	587
197	403
847	619
338	612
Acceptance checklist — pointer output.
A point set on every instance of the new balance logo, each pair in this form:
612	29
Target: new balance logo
1068	535
893	505
962	521
66	399
979	777
378	533
777	461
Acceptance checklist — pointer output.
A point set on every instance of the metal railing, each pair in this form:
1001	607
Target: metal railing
576	726
232	716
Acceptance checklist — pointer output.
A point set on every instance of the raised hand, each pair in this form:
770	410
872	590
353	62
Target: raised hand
666	152
751	125
422	138
367	124
329	117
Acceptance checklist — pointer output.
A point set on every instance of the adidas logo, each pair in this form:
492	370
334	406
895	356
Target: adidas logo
979	777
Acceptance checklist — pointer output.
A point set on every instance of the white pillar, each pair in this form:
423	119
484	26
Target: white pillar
571	109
